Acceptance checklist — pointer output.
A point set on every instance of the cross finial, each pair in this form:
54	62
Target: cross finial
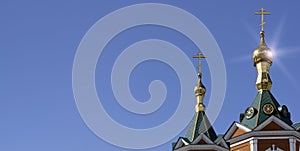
199	56
262	12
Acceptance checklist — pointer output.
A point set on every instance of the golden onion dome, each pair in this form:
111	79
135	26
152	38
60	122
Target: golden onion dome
199	93
199	88
262	52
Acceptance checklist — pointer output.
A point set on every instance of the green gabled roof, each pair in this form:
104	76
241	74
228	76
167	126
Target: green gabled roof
296	125
219	137
263	97
200	124
175	143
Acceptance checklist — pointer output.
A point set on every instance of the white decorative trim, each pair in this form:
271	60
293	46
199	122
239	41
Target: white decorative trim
279	137
233	128
274	148
260	138
253	144
292	143
253	141
180	143
197	147
275	120
241	142
223	143
265	133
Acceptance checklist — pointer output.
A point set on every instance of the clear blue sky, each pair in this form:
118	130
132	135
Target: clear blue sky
38	43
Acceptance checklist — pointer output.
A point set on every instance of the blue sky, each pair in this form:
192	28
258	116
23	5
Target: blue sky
39	40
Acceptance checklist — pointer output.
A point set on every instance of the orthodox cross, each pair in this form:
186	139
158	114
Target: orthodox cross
199	56
262	12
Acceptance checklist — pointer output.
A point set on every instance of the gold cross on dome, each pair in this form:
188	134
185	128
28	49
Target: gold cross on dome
262	12
199	56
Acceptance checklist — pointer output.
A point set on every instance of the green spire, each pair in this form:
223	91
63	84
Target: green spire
200	124
263	107
264	104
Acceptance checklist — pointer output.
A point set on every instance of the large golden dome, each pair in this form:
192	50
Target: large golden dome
262	52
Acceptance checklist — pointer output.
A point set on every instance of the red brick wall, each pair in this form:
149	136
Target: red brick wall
281	143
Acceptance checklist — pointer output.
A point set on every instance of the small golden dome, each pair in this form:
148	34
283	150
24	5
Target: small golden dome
199	88
199	93
262	52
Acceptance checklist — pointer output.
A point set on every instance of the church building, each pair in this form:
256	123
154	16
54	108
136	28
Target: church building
265	126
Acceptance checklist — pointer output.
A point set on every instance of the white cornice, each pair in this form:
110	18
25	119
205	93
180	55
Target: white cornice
233	128
267	134
263	138
181	142
223	143
241	142
275	120
207	147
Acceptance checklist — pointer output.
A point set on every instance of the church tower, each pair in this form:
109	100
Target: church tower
266	125
200	135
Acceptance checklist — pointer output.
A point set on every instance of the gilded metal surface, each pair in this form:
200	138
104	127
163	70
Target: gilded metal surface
263	81
268	108
199	93
199	56
258	109
262	58
262	13
194	129
199	88
249	112
262	52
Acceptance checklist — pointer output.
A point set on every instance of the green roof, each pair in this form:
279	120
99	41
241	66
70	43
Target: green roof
219	138
175	143
262	98
200	124
296	125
